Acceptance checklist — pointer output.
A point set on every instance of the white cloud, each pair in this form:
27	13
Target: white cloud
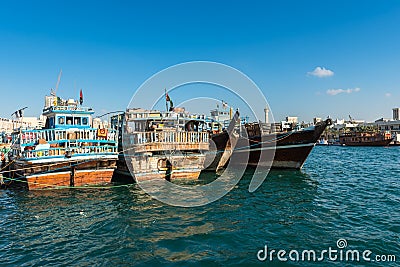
339	91
388	94
321	72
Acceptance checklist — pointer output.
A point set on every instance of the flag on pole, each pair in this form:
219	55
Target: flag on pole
81	97
19	113
168	99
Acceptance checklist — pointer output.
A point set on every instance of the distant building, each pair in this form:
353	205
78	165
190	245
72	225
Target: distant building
276	127
289	124
342	124
392	126
292	119
8	125
396	112
317	120
221	115
266	111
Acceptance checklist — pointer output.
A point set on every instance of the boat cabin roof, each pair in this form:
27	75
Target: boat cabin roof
68	115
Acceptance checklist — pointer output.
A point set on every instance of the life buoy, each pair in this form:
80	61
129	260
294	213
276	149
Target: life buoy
102	132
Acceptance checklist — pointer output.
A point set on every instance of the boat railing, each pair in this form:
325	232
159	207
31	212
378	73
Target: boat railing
138	138
61	152
50	135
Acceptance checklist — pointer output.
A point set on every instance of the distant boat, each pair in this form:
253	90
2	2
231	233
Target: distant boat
66	152
365	138
322	142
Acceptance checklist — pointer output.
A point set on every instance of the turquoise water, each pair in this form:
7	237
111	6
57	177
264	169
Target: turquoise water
342	192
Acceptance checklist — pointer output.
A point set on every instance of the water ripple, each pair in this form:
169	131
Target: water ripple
342	192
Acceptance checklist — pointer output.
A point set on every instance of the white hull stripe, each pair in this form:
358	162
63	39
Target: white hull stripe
63	159
277	147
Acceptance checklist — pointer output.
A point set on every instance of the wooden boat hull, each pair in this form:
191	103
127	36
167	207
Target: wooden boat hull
62	174
175	175
286	157
221	149
365	139
222	146
150	167
291	149
63	179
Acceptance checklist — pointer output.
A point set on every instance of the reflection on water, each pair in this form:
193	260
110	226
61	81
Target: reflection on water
335	196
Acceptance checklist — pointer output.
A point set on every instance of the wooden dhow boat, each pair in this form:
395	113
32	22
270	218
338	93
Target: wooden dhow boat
365	138
66	152
286	150
161	145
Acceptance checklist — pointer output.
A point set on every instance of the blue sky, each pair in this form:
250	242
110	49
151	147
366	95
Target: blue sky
110	48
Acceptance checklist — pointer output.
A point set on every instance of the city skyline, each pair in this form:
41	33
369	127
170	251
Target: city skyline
310	59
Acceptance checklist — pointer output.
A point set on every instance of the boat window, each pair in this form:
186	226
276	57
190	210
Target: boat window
84	121
69	120
77	121
61	120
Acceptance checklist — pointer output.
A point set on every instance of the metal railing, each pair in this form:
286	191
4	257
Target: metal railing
60	152
138	138
33	136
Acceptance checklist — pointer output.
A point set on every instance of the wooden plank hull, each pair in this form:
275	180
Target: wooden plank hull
222	146
145	167
61	174
175	175
218	143
63	179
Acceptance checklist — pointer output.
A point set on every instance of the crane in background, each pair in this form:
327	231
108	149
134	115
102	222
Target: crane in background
54	92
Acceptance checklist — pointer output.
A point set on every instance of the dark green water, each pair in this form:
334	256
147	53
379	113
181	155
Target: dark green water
342	192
